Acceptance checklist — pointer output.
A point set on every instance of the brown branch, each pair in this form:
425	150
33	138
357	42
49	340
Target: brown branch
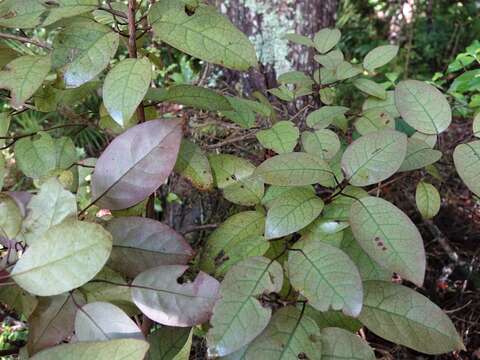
27	40
232	140
199	227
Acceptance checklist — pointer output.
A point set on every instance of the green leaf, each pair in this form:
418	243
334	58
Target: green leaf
82	50
296	78
331	318
193	164
120	349
244	111
379	56
324	116
368	269
419	154
291	212
327	95
23	76
428	199
326	39
330	60
476	125
295	169
339	344
371	88
429	139
281	137
162	295
275	192
328	231
323	143
389	237
18	299
374	157
49	98
21	14
423	106
10	217
467	162
4	126
101	321
239	317
125	87
239	237
65	257
387	105
345	71
170	343
325	276
299	39
373	120
401	315
291	334
49	207
40	156
204	33
69	8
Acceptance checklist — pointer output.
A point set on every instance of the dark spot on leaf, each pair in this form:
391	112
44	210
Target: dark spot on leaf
9	15
220	258
384	248
188	276
376	238
302	355
380	243
233	177
190	10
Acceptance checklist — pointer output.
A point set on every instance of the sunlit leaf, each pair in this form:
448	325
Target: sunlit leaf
373	120
326	39
423	106
281	137
401	315
166	300
323	143
140	244
339	344
129	170
379	56
170	343
65	257
419	154
389	237
239	317
204	33
428	199
324	116
374	157
371	88
325	276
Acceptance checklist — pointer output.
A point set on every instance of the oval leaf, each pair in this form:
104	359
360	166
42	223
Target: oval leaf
339	344
136	163
10	217
467	162
379	56
193	164
427	199
323	143
373	120
326	39
419	154
281	137
370	87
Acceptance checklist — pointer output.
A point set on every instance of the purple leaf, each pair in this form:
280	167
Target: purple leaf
136	163
140	244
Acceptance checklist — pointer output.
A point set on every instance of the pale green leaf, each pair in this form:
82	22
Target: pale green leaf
193	164
326	39
64	258
170	343
18	299
430	139
69	8
467	162
204	33
3	170
23	76
4	126
387	105
289	335
330	60
327	95
326	76
339	208
295	169
389	237
428	199
119	349
283	93
371	88
379	56
323	143
21	14
476	125
325	276
405	317
125	87
244	111
324	116
291	212
281	137
423	106
239	317
333	318
345	71
82	50
10	217
373	120
49	98
419	154
298	78
239	237
339	344
374	157
299	39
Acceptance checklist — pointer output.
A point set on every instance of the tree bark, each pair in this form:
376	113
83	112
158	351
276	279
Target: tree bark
265	22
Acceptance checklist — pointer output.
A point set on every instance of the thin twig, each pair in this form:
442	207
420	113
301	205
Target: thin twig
23	39
199	227
232	140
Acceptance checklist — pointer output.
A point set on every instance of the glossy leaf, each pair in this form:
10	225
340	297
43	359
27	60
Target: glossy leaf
419	154
160	296
467	162
125	87
325	276
82	50
129	170
401	315
339	344
281	137
291	212
374	157
389	237
11	217
373	120
101	321
379	56
423	106
170	343
65	257
140	244
324	116
289	334
239	317
238	237
371	88
427	199
193	164
204	33
119	349
23	76
326	39
295	169
323	143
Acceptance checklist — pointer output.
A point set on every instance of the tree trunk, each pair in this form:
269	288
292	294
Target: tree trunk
265	22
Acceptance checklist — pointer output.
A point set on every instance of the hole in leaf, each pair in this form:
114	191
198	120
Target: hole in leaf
190	10
188	276
220	258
